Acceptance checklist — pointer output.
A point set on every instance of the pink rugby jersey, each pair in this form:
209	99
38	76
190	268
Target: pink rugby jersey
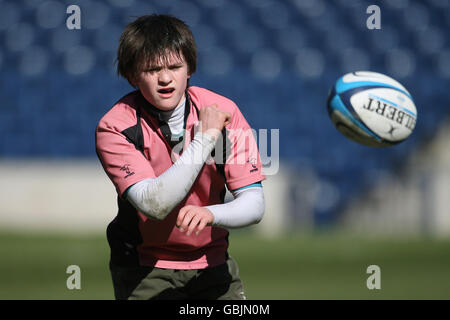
132	145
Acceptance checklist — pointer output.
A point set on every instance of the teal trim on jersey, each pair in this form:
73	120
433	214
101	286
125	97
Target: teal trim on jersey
249	186
124	196
337	104
394	104
342	86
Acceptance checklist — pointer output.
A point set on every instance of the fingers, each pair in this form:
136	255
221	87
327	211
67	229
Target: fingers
194	222
193	219
183	218
227	118
201	226
212	117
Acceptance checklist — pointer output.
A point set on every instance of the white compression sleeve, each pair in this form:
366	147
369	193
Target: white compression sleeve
247	208
156	197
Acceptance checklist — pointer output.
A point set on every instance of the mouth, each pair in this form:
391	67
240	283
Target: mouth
166	92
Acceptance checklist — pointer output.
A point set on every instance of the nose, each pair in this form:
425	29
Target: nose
164	77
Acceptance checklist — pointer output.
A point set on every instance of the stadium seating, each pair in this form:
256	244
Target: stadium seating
276	59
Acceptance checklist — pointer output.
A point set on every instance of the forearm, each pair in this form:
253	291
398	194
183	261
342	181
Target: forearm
246	209
157	197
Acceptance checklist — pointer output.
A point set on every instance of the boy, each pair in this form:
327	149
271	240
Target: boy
169	238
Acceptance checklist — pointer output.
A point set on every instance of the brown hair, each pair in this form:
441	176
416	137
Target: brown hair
151	38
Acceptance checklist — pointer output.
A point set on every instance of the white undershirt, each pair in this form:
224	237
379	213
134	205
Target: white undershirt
175	119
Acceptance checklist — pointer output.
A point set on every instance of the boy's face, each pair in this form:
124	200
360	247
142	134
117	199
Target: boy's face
163	83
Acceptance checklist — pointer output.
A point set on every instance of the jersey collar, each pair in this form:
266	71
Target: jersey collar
158	119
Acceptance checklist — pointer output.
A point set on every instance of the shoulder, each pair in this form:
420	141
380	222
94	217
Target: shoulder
122	115
203	97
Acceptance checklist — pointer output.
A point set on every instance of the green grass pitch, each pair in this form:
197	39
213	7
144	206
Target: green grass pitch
295	266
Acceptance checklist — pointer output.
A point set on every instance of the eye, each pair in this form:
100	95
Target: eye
153	70
175	67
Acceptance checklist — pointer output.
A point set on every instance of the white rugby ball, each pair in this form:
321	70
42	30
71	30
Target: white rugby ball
372	109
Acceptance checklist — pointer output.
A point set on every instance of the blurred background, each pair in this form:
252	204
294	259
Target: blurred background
333	207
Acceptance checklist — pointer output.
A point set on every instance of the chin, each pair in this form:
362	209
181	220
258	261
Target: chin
165	105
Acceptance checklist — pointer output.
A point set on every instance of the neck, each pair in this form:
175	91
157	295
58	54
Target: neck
167	114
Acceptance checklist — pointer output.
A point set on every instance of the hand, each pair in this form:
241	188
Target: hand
213	120
192	218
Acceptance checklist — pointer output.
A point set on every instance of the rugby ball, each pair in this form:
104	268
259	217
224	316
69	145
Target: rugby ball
372	109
